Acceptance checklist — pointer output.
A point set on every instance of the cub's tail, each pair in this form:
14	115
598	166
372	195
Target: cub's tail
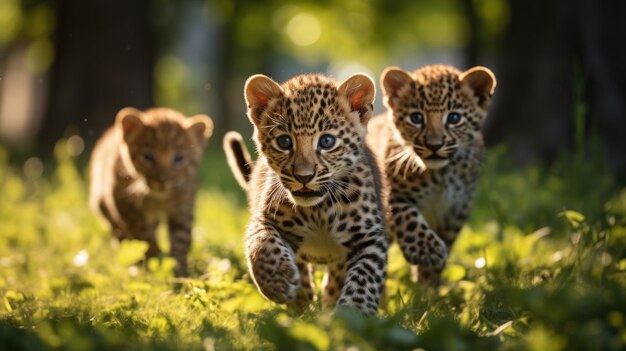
238	158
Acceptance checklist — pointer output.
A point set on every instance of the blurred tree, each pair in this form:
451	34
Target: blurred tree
472	46
26	54
105	53
245	47
236	44
550	48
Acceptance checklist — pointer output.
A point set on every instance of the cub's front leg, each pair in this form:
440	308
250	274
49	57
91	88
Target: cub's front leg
179	224
135	224
272	262
420	244
366	268
449	230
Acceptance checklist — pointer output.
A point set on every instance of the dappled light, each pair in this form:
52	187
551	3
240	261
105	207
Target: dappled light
503	285
303	29
539	263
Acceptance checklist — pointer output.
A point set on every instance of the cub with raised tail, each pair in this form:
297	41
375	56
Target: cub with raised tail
314	191
431	145
144	168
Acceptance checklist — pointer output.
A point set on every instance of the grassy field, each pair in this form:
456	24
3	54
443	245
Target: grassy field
540	266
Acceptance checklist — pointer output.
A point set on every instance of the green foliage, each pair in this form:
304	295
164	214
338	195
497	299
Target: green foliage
540	267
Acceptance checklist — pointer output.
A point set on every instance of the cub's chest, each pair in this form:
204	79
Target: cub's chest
152	206
156	203
437	195
436	203
441	192
319	245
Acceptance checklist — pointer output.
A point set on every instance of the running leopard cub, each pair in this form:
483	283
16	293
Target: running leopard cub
314	191
144	167
431	145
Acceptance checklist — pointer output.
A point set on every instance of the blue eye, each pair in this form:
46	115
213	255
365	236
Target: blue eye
178	158
148	156
453	118
284	142
416	118
327	141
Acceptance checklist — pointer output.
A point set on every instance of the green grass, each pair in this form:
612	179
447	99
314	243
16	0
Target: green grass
554	277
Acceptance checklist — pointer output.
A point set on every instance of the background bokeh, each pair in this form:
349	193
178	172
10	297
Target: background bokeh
67	66
540	265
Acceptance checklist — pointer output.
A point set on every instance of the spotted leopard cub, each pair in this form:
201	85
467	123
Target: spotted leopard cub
144	168
431	145
314	191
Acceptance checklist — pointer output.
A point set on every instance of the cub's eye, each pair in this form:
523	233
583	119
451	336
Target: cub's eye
327	141
284	142
178	158
453	118
148	156
416	118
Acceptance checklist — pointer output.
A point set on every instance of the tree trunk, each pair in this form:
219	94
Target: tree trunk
603	52
550	47
532	112
234	64
224	73
472	47
105	53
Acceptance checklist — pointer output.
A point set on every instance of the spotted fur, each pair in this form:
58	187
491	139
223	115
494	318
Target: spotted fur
431	146
313	202
145	167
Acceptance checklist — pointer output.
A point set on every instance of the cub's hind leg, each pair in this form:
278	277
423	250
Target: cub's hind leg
428	276
332	284
306	294
272	262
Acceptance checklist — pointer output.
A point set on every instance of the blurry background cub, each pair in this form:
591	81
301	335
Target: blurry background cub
145	168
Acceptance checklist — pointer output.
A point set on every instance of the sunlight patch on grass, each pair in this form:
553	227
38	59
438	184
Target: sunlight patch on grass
544	284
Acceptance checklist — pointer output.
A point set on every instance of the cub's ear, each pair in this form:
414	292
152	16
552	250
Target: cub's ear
201	127
481	82
258	91
130	122
393	80
360	92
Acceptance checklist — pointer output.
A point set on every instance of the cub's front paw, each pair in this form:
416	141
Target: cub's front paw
427	250
277	279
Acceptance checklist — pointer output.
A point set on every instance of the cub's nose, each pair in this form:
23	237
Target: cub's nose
434	146
304	178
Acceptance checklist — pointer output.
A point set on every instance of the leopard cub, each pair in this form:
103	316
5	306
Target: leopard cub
314	191
145	167
431	146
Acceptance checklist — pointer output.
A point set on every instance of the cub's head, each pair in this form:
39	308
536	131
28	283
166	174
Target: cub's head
437	109
311	130
161	145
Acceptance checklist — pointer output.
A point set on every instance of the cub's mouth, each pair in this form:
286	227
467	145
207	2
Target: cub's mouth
436	162
306	192
435	157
